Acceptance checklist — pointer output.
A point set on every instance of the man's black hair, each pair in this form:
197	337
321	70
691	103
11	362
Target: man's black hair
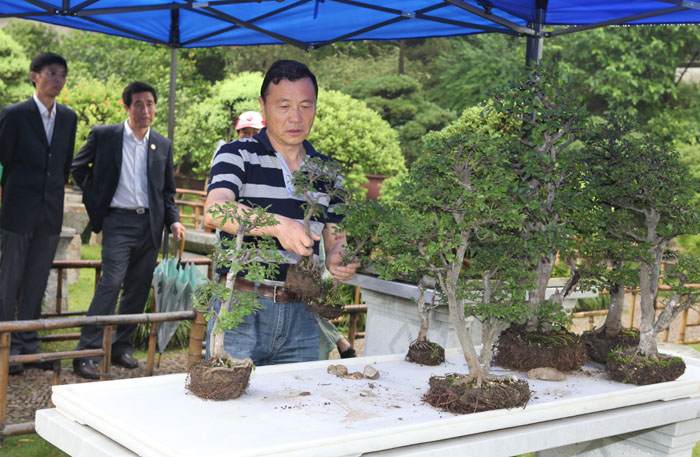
287	69
40	61
136	88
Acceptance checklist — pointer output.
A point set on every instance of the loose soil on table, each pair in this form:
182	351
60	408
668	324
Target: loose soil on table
598	344
458	394
628	367
426	353
305	281
216	380
521	350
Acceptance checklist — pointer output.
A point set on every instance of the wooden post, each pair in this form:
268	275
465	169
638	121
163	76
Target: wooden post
59	290
194	351
4	379
683	327
634	306
352	328
150	357
107	348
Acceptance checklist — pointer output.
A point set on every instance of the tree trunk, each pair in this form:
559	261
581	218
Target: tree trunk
456	309
537	296
424	315
647	290
613	321
402	57
491	330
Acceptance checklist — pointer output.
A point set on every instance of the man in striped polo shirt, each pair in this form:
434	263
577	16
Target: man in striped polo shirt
258	172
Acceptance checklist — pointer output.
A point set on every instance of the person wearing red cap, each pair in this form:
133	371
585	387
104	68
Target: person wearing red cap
249	123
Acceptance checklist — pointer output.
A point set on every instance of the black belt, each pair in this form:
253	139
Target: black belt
129	210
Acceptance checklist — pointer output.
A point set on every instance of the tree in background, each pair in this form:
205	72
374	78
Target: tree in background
95	102
205	123
14	71
400	100
34	37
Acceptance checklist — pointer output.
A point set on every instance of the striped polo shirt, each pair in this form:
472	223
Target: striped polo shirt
258	176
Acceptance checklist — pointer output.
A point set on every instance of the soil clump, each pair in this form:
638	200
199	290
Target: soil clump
598	344
459	393
426	353
631	368
217	379
523	351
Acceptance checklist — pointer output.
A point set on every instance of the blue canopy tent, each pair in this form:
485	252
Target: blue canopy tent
310	24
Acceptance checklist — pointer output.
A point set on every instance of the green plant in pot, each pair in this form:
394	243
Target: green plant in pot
222	377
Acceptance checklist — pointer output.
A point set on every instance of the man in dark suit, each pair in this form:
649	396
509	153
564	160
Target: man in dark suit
37	138
126	174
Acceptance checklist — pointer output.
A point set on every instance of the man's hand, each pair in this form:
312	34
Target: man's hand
292	237
334	263
178	230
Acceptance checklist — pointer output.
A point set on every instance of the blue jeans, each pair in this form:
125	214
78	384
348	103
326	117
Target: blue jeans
278	333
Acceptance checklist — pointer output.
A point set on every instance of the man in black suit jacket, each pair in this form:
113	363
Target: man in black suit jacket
126	174
37	138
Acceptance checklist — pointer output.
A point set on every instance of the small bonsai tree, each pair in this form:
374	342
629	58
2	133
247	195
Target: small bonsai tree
222	377
318	183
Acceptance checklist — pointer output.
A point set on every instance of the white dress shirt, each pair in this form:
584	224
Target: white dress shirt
132	190
48	118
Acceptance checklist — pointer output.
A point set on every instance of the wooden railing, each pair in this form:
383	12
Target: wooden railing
194	216
631	305
194	353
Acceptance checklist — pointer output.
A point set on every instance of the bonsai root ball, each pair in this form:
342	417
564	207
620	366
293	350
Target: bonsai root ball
212	380
521	350
426	353
459	394
630	368
305	281
598	344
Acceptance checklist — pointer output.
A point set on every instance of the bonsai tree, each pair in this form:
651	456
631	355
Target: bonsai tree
540	124
222	377
457	194
317	183
652	191
608	259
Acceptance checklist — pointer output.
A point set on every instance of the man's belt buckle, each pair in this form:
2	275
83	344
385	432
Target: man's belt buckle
140	211
274	294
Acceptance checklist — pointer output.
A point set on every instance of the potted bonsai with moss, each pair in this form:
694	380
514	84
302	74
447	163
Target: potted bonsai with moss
317	182
222	377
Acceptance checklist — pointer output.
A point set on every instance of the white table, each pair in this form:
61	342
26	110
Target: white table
155	417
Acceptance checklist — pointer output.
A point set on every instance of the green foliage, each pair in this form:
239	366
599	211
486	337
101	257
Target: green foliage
95	102
471	68
14	71
317	175
34	37
256	260
212	119
400	100
354	135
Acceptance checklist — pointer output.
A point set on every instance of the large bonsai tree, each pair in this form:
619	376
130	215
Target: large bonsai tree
541	122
